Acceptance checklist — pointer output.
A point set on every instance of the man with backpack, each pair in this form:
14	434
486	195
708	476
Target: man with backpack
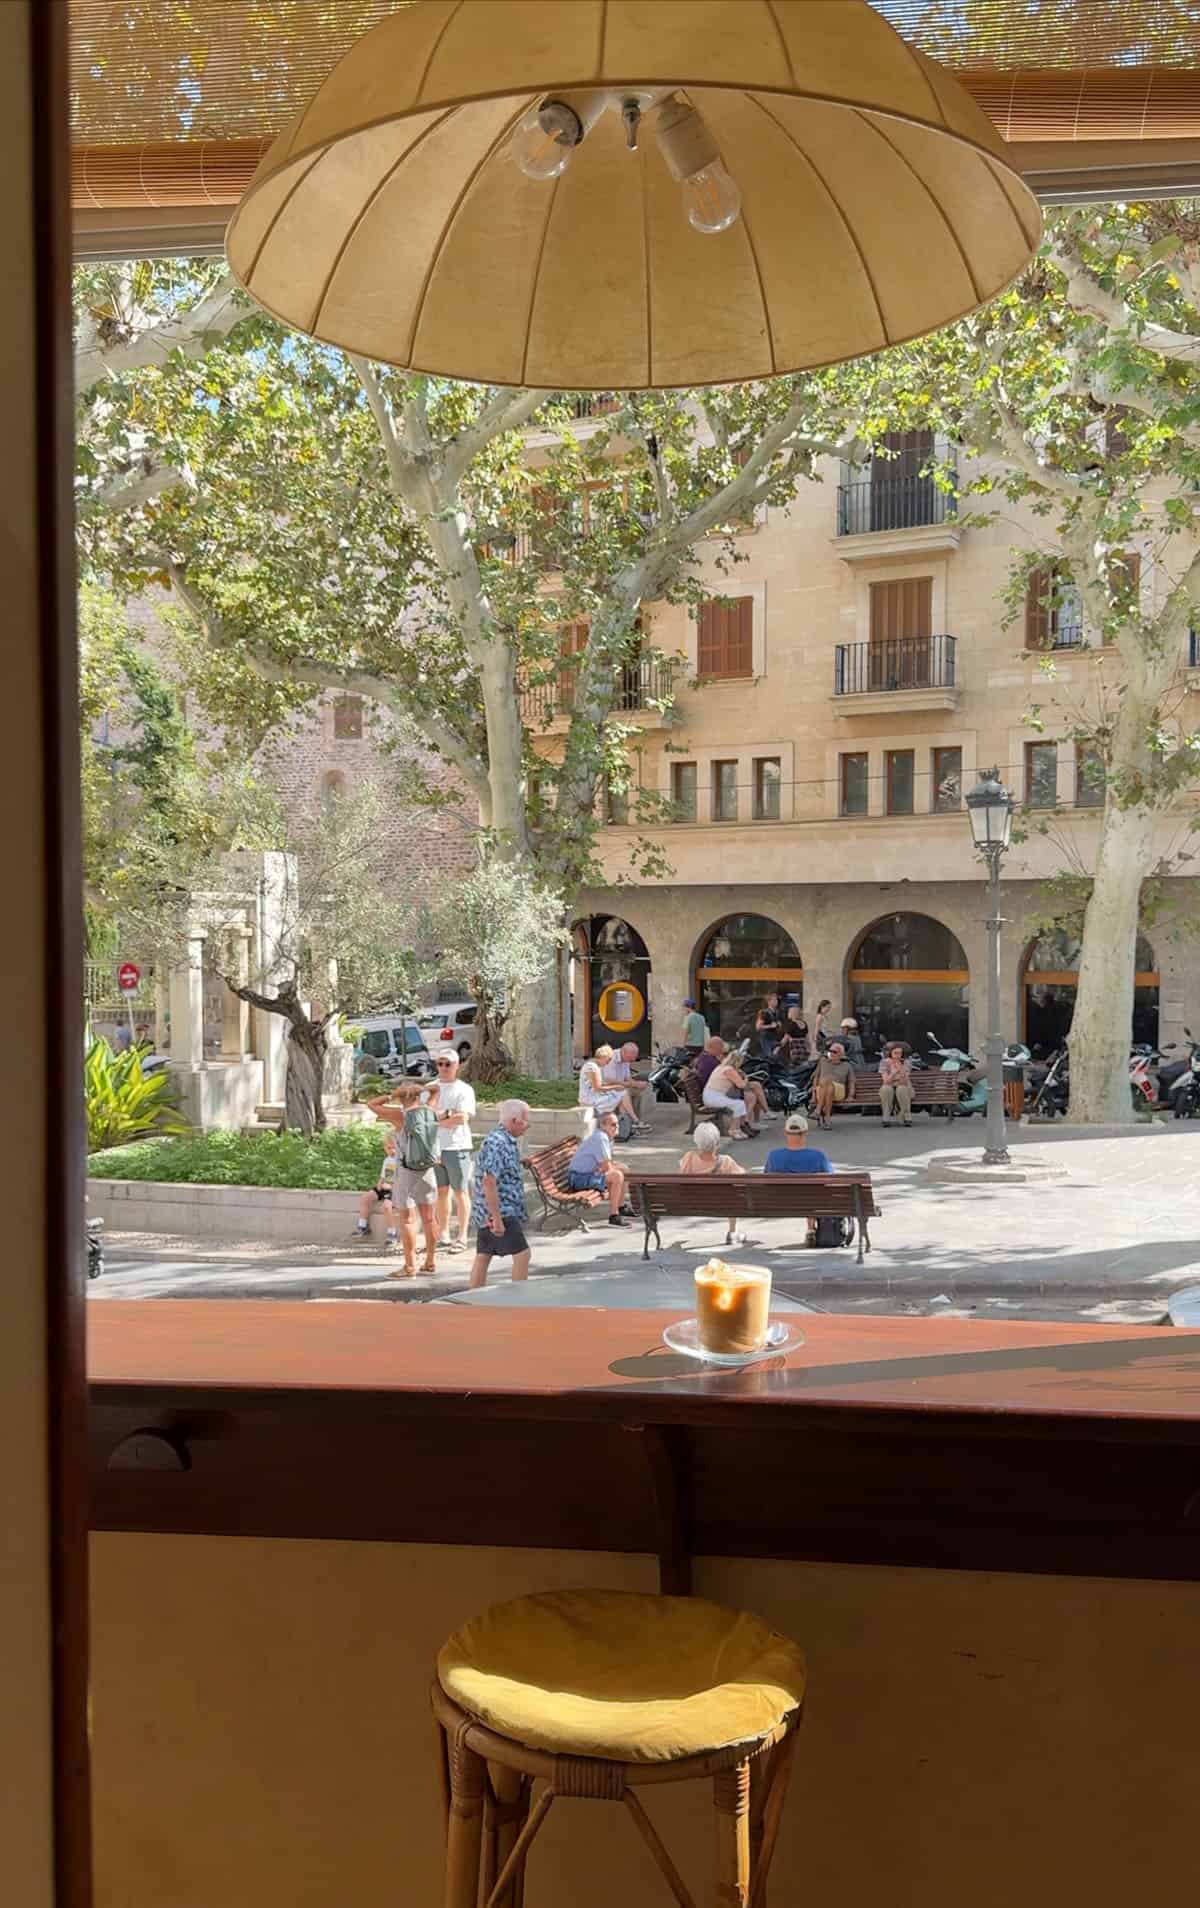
414	1189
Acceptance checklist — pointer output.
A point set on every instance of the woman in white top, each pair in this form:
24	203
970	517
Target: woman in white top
726	1088
709	1161
605	1099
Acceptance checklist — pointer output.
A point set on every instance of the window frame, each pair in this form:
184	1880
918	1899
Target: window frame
718	763
845	757
1031	753
937	807
890	759
357	704
677	802
758	811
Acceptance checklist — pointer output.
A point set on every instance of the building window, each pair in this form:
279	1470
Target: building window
683	790
333	786
900	781
724	791
1053	610
348	718
854	784
947	781
1041	774
616	805
1089	777
725	640
767	780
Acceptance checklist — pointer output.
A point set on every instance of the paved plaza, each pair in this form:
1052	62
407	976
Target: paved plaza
1112	1237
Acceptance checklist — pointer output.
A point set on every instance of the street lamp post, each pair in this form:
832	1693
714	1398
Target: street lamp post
990	811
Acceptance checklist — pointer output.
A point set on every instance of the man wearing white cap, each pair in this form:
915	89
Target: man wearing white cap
453	1107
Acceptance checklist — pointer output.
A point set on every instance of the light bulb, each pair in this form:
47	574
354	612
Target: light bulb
712	198
545	141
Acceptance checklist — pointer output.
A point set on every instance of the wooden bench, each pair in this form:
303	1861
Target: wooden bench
736	1196
930	1087
549	1167
693	1092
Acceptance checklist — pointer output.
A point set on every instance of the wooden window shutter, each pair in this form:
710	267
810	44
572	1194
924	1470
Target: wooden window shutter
725	642
1038	613
902	608
1125	571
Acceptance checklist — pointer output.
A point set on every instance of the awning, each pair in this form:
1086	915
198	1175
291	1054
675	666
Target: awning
172	105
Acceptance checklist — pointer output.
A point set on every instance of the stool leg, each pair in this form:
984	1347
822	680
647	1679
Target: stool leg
464	1837
731	1796
512	1798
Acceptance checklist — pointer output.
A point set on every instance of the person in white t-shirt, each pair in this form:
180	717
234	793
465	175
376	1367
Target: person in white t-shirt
619	1072
453	1106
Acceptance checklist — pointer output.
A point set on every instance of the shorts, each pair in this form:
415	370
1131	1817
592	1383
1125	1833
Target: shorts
501	1245
839	1091
587	1182
725	1100
454	1169
381	1192
414	1189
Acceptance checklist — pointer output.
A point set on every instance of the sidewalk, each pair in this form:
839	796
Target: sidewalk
1114	1238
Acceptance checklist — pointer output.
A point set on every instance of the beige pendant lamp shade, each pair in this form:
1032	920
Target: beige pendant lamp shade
393	218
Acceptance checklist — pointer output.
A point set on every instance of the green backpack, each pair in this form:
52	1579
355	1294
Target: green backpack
422	1141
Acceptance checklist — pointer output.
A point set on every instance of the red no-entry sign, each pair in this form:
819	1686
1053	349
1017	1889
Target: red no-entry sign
128	977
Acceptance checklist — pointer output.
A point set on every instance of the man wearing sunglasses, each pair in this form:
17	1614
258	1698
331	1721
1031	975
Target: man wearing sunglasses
453	1106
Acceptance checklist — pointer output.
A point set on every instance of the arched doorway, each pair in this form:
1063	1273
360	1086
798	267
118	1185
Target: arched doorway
1050	976
614	968
739	961
908	979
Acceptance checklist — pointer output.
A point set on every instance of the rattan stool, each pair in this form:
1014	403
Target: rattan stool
596	1694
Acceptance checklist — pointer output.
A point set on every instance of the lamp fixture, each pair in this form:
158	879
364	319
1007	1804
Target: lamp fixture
468	194
989	808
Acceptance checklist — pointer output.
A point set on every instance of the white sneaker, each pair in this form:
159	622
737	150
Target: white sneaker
737	1239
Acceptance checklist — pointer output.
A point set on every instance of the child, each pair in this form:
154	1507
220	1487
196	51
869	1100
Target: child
381	1193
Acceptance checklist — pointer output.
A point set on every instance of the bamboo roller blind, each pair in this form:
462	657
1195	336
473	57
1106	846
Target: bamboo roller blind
172	106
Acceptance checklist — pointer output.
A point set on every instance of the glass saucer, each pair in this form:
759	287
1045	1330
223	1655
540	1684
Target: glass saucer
684	1336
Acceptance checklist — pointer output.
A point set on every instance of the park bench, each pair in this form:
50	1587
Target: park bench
693	1093
737	1196
549	1167
930	1087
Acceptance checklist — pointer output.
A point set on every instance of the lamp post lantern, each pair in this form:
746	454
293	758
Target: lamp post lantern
990	812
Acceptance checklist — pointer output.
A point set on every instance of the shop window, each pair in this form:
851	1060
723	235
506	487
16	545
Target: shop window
1041	774
854	783
1051	977
947	781
908	979
348	718
900	781
683	790
742	960
724	791
767	782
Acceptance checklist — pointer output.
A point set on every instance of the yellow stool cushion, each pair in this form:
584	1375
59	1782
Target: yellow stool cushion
624	1677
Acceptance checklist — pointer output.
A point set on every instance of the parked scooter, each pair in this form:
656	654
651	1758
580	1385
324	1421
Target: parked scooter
1179	1082
1048	1084
664	1074
95	1248
972	1085
787	1089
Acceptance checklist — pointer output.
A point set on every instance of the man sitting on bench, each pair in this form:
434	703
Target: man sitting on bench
592	1168
796	1155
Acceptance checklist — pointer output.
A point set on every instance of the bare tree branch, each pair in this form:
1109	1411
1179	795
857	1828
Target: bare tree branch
1085	295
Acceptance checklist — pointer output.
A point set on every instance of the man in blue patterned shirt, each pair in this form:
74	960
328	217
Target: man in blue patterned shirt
498	1203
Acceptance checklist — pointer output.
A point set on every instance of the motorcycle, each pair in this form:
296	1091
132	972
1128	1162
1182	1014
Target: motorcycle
787	1089
95	1248
1049	1084
1179	1083
664	1074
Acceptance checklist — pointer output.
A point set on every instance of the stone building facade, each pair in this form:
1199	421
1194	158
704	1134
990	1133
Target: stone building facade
827	721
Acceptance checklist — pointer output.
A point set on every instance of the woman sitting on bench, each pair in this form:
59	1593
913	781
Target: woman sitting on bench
600	1098
707	1160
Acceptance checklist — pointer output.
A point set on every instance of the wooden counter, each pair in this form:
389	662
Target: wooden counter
955	1442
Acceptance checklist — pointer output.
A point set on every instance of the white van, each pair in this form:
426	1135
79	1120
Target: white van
391	1045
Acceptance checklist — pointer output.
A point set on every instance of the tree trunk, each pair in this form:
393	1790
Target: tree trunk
304	1105
540	1027
1100	1026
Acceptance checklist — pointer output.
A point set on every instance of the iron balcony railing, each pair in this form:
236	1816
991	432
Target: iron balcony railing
902	662
639	685
1067	635
895	500
589	403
